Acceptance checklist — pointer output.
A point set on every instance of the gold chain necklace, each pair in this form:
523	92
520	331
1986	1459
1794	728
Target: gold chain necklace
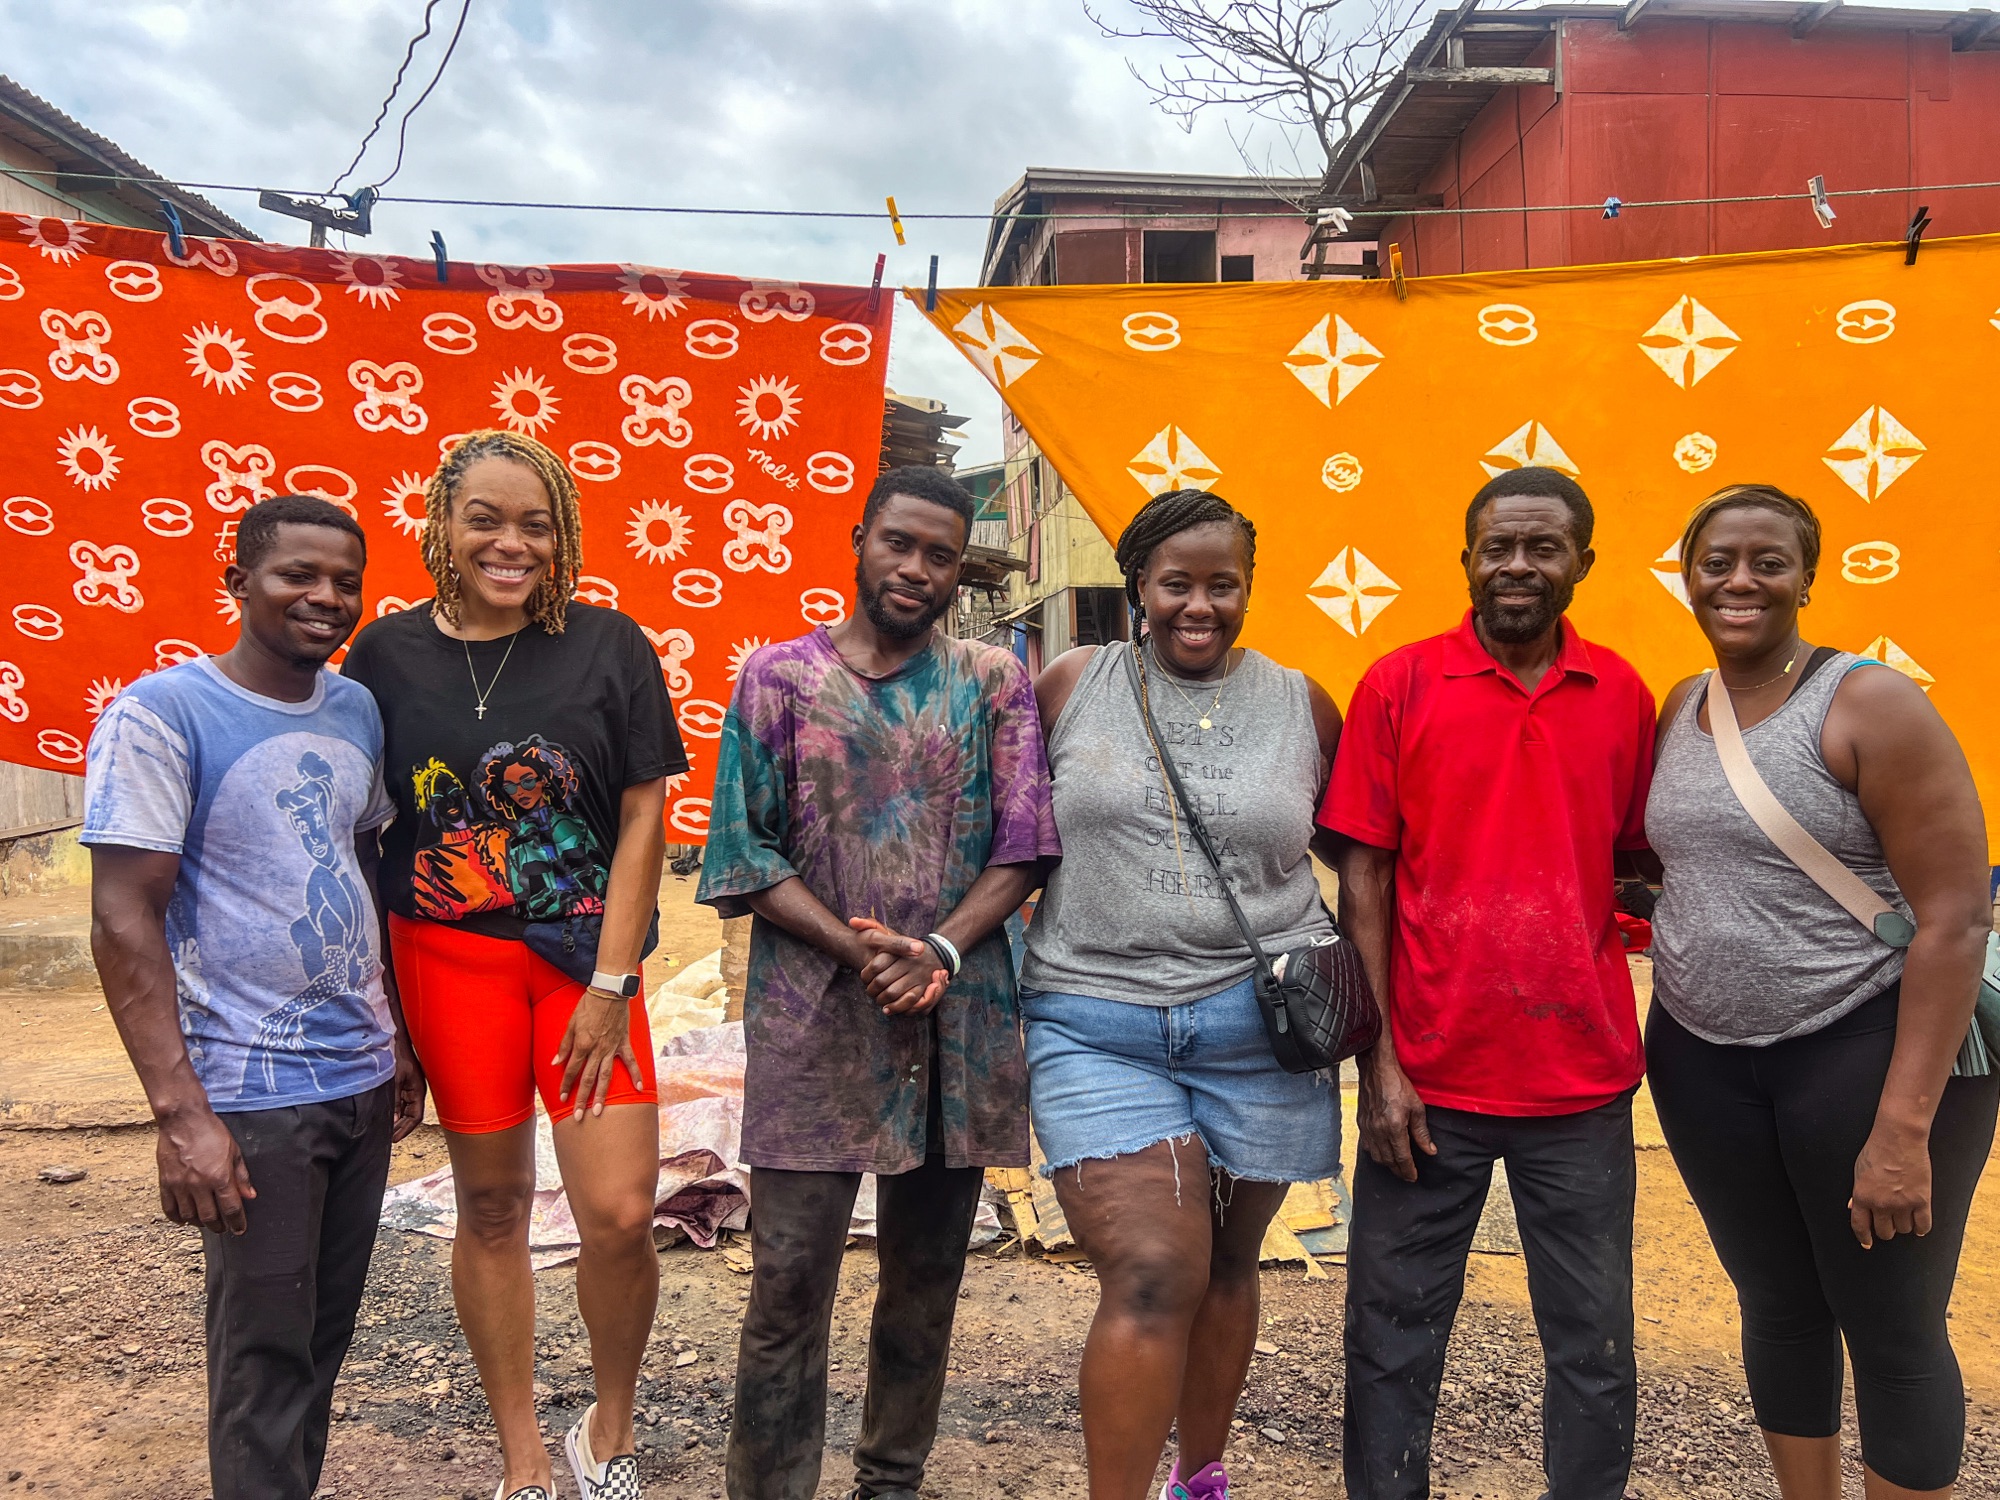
1769	680
1207	719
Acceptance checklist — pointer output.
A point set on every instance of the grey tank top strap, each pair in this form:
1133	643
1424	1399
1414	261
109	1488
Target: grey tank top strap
1134	911
1746	946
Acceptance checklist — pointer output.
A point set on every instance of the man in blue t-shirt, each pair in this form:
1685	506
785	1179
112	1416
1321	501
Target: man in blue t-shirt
232	807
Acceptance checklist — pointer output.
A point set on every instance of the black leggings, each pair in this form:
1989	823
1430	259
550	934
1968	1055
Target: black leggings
1766	1138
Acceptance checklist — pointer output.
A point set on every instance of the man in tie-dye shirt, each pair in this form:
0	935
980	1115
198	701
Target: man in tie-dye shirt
881	806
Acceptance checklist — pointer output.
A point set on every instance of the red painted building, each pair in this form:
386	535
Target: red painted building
1675	99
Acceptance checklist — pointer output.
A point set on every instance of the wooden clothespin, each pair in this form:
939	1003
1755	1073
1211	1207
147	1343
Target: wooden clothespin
930	292
875	286
438	255
1822	210
1396	272
1913	237
177	247
895	221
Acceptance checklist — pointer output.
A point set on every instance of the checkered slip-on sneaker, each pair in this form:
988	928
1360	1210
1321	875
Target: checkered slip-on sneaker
525	1492
614	1479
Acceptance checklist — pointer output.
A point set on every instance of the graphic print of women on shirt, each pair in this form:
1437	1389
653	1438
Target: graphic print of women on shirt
513	840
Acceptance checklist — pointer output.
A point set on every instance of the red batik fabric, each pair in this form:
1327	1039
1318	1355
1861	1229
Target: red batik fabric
723	432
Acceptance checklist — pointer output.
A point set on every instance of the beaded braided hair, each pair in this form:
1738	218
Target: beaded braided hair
550	603
1167	515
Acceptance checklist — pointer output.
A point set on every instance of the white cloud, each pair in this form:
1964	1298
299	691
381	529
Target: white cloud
755	104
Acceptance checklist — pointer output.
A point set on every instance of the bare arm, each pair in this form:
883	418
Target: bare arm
790	904
1390	1113
1885	739
1058	681
203	1179
1326	726
409	1073
902	972
600	1030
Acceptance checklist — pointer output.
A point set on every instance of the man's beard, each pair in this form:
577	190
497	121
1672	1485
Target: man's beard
1512	627
891	624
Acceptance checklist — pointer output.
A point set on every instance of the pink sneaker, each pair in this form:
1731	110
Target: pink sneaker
1212	1483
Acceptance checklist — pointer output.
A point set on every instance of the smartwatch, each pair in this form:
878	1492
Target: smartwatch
623	985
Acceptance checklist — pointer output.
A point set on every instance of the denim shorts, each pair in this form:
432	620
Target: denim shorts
1107	1078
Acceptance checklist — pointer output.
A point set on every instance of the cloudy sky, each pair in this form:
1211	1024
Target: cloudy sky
826	104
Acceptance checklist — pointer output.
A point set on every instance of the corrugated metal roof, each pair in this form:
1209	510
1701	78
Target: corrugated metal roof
37	124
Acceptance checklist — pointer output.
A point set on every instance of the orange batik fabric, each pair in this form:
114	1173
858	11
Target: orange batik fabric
723	432
1354	426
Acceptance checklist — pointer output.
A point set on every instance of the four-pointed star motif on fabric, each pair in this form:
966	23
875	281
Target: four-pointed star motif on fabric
1353	591
1529	446
1874	452
1688	342
1332	367
1171	461
1000	350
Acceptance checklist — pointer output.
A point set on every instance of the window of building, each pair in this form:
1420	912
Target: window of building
1239	268
1179	255
1101	617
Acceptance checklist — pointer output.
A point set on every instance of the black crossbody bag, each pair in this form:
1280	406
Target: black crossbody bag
1318	1006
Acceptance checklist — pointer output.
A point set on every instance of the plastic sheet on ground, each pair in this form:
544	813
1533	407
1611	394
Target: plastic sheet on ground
703	1189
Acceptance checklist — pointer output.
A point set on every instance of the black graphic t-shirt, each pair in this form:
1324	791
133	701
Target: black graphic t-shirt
511	818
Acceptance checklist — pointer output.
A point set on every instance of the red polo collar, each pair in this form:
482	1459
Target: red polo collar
1464	656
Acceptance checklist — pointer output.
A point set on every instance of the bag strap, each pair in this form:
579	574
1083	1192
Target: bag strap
1860	900
1135	672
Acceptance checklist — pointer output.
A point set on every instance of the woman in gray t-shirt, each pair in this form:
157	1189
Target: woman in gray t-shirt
1170	1130
1800	1062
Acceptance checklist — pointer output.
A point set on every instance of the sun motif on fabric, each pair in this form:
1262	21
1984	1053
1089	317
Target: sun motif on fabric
405	505
218	358
739	655
88	458
372	278
526	402
652	292
658	531
227	607
61	240
97	697
769	406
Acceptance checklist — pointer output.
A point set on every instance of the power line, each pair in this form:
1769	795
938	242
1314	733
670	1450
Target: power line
382	114
403	131
1289	215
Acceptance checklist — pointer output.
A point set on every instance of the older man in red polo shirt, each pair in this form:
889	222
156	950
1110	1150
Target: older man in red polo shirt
1487	781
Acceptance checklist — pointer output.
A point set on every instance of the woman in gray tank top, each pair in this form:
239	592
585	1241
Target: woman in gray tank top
1798	1061
1170	1130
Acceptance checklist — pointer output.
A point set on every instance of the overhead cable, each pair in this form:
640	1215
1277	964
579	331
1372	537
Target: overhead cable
389	98
1289	215
395	87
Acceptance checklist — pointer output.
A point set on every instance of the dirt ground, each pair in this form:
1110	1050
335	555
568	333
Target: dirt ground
101	1357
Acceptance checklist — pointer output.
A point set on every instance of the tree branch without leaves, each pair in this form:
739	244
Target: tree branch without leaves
1311	64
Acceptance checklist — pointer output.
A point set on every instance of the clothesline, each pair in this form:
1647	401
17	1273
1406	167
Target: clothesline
26	175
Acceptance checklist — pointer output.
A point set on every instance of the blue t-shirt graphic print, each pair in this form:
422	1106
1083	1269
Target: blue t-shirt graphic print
273	931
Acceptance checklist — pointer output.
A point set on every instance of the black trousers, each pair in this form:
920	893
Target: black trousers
1574	1180
282	1297
1766	1138
798	1229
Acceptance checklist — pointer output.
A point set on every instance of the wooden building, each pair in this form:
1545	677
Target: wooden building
1673	99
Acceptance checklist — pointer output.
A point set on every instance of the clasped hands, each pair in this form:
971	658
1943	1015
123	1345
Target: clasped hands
902	973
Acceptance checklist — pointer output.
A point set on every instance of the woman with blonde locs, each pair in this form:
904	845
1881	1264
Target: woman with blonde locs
1171	1131
1802	1062
528	738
